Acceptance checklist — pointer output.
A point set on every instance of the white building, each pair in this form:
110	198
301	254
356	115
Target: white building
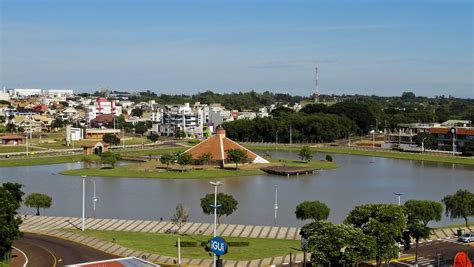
20	92
64	92
102	106
185	118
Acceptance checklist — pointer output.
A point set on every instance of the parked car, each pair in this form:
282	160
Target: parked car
466	238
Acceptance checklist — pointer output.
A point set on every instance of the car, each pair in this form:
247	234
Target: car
466	238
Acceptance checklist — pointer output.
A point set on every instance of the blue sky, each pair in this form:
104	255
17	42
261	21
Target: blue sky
363	47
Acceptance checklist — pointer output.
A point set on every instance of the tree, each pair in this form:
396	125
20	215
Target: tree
337	244
314	210
10	201
305	153
153	137
180	217
205	157
10	127
184	159
236	156
87	161
38	200
137	112
167	159
141	127
429	142
329	158
227	202
384	222
420	213
57	123
110	158
460	205
111	139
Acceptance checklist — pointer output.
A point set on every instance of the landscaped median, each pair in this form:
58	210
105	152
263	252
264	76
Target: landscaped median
370	153
45	160
154	169
240	249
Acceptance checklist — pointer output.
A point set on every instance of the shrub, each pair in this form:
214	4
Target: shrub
329	158
193	141
187	244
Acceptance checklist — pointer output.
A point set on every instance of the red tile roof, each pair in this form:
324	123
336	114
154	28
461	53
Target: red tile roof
11	137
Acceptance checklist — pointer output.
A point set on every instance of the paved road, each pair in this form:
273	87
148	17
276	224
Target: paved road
446	248
45	251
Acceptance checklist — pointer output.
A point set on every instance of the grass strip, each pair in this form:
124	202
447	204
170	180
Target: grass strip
164	244
371	153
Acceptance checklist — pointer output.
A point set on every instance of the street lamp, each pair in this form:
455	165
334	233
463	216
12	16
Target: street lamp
423	145
83	200
399	194
215	206
94	199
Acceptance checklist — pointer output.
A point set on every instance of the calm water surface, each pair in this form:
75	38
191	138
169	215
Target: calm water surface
358	180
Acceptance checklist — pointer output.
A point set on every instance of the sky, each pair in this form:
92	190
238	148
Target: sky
361	47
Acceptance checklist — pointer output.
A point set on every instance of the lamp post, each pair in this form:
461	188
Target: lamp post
399	194
215	206
275	206
94	199
453	134
423	144
83	201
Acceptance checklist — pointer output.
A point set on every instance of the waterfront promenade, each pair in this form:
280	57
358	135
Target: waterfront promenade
55	226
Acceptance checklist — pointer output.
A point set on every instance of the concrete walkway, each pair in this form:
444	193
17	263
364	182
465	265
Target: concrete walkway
54	226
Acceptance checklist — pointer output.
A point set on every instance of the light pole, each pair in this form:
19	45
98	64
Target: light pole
453	133
215	206
423	145
94	199
399	194
275	207
83	200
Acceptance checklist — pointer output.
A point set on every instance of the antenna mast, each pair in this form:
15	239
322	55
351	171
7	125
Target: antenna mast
316	96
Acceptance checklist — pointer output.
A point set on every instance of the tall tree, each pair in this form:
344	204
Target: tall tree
137	112
111	139
420	213
236	156
10	201
315	210
181	216
110	158
385	223
167	159
337	244
460	205
305	153
227	202
205	157
38	201
426	140
184	159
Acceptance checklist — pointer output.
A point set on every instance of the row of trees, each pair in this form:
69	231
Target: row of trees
235	156
372	231
299	127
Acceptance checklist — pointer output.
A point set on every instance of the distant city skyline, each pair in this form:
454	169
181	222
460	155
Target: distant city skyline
173	47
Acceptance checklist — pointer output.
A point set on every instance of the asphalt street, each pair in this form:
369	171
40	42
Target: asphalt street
45	251
443	250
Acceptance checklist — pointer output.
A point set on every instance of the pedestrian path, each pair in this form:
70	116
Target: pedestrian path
57	227
44	223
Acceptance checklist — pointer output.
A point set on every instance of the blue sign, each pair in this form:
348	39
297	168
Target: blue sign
218	246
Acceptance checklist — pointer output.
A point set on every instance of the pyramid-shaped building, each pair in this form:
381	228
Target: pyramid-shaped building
218	145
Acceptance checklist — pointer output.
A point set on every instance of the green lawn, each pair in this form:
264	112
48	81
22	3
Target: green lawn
153	152
164	244
43	160
384	154
148	170
4	264
471	224
12	149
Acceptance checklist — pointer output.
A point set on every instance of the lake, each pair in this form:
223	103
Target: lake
358	180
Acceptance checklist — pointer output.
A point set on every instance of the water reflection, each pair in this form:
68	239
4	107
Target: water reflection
358	180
